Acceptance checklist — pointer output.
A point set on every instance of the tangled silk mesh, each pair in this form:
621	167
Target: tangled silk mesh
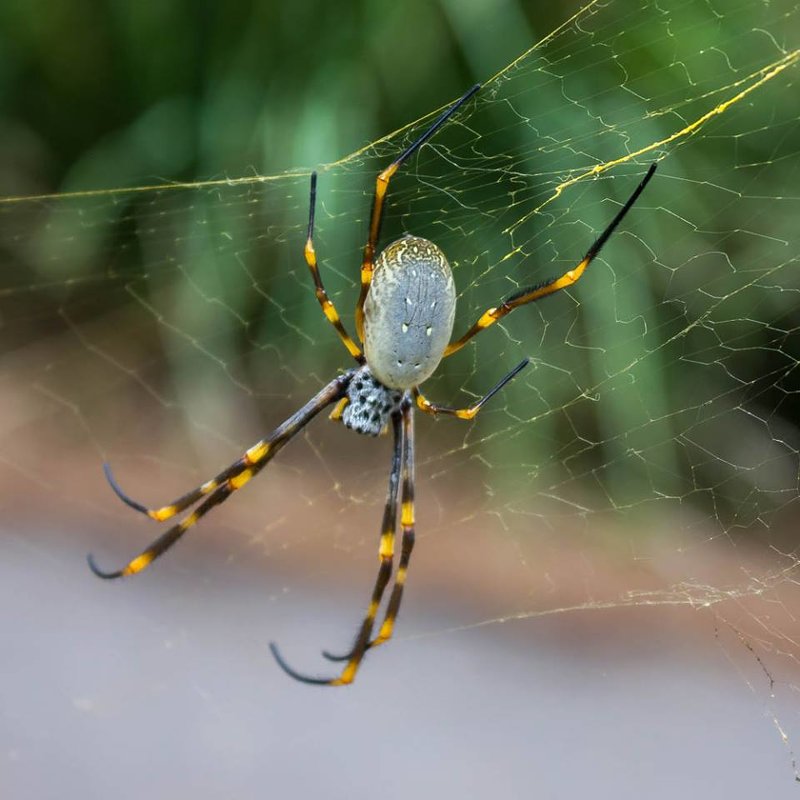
658	420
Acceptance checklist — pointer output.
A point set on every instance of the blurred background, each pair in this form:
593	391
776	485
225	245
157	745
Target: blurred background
603	597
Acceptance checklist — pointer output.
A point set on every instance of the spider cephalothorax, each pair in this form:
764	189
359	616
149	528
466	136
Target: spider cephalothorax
370	404
404	319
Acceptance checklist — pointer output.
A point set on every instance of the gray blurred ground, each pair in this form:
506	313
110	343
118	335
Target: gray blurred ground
164	687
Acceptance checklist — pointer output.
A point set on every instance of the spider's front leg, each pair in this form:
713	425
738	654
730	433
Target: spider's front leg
376	215
538	291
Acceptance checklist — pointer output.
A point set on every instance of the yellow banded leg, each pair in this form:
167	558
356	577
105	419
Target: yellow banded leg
336	414
532	293
227	482
176	506
328	308
407	525
257	453
385	556
376	215
386	551
368	260
468	413
166	540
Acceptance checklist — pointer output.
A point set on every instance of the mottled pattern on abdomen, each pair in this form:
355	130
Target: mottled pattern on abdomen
408	313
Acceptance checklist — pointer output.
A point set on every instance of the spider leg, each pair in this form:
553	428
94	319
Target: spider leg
407	513
407	543
468	413
532	293
239	467
228	481
325	302
336	414
166	540
385	555
376	216
407	526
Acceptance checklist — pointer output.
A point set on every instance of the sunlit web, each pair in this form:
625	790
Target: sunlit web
166	327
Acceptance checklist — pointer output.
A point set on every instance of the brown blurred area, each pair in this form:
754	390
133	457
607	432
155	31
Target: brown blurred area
523	660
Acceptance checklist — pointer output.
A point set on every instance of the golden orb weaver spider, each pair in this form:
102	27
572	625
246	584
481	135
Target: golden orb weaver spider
404	319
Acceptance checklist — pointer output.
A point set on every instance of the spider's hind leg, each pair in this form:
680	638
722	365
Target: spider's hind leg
402	425
184	501
406	547
218	489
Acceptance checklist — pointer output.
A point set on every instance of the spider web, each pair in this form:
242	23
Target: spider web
649	457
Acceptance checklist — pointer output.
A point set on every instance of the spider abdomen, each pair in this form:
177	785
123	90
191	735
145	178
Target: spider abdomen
408	313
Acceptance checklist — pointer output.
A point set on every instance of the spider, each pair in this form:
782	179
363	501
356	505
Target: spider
404	319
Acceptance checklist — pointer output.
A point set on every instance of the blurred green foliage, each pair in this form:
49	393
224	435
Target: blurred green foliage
113	93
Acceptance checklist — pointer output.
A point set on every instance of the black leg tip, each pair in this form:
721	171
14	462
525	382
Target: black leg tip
332	657
292	673
99	572
119	493
649	174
